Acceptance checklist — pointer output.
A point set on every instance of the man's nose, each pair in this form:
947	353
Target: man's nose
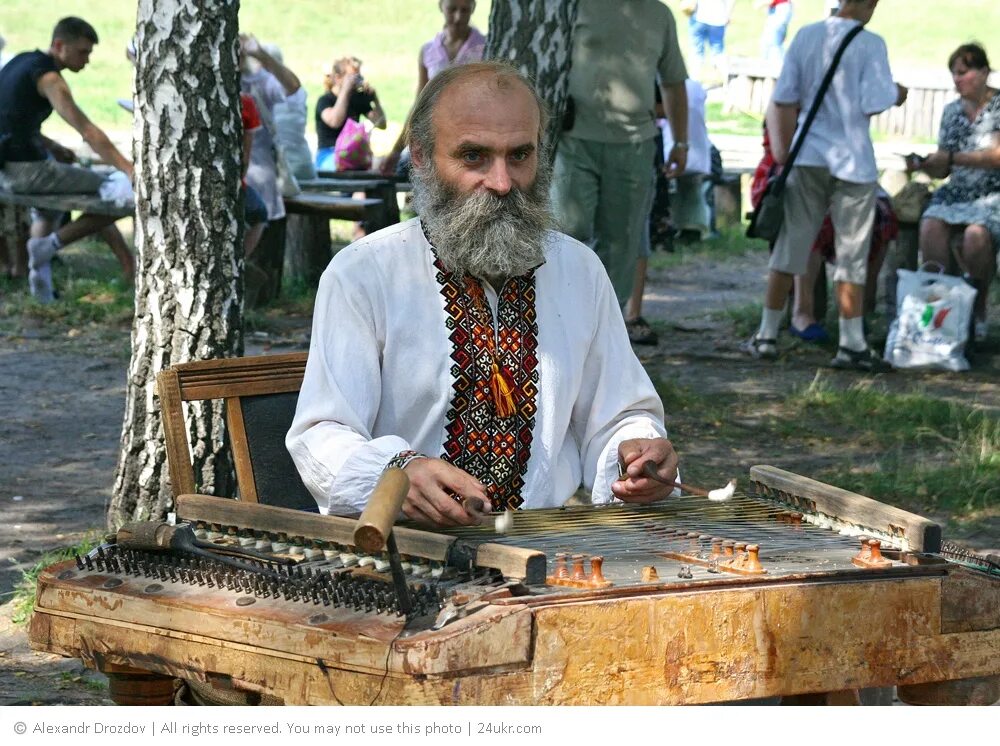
498	177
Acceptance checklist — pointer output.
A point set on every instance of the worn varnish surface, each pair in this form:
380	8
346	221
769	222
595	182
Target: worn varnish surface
693	646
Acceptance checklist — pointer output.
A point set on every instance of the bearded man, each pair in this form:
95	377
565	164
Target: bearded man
478	349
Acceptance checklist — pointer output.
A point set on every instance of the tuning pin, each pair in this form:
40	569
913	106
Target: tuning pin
596	574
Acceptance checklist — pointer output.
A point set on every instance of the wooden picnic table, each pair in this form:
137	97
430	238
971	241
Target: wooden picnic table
304	237
89	203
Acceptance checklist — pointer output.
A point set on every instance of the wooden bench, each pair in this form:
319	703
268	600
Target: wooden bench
304	238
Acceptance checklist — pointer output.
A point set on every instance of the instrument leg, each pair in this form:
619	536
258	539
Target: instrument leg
133	686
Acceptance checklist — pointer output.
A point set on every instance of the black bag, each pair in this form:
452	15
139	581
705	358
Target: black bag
4	142
767	219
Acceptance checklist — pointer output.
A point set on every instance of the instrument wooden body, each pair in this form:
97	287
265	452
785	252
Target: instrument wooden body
928	626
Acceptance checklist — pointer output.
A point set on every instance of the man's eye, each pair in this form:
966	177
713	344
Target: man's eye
472	157
520	156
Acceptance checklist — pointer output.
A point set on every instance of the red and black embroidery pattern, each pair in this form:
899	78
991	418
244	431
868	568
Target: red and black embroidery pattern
493	448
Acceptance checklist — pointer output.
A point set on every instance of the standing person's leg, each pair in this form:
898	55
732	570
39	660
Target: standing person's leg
639	330
699	40
576	180
852	210
806	197
622	211
804	322
717	43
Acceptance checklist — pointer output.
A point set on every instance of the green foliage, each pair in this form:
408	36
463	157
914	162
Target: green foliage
745	319
387	34
24	592
920	35
91	287
731	123
730	241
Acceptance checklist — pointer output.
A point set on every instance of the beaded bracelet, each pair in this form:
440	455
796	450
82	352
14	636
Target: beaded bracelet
403	458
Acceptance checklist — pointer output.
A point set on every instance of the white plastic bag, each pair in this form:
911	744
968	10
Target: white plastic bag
117	188
931	328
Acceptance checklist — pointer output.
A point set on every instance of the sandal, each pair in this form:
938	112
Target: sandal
640	332
864	360
760	348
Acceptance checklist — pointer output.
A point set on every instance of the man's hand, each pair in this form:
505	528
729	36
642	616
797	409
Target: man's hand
389	163
61	153
250	45
901	93
349	83
636	488
432	482
676	163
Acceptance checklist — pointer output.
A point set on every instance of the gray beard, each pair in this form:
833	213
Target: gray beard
482	234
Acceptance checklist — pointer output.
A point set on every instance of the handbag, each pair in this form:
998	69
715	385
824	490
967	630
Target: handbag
931	328
353	150
767	219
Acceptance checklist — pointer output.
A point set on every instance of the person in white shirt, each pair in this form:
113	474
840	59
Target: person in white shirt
835	170
478	349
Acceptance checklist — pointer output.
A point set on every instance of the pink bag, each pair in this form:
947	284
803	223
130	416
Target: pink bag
353	151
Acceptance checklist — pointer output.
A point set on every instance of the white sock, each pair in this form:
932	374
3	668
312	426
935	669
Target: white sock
770	320
852	334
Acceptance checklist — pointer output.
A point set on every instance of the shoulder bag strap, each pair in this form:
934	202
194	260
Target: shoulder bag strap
814	109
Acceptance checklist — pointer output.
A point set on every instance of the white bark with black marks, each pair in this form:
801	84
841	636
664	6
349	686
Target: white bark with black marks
537	37
188	234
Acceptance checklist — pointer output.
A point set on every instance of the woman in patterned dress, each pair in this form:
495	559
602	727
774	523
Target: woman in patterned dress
968	205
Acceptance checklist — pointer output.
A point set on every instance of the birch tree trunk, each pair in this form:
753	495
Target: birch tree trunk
188	234
537	37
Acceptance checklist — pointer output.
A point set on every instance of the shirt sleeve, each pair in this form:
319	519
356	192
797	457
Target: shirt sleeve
330	439
788	88
878	89
617	400
251	116
670	65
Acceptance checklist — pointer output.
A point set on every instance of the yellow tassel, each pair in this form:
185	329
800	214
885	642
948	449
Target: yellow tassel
503	391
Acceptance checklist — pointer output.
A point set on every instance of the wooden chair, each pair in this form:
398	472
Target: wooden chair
260	394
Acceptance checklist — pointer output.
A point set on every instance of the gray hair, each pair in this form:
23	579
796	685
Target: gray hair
420	126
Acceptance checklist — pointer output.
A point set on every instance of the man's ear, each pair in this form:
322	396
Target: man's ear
416	156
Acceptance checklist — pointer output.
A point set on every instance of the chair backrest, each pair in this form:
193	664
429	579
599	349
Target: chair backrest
260	394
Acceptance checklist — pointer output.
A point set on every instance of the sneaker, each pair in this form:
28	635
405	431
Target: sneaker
640	332
41	251
760	348
40	283
980	330
812	333
864	360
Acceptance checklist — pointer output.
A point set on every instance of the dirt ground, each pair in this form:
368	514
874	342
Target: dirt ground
63	398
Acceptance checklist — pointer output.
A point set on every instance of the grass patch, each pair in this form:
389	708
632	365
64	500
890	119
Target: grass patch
24	592
745	319
731	123
91	288
729	242
932	453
